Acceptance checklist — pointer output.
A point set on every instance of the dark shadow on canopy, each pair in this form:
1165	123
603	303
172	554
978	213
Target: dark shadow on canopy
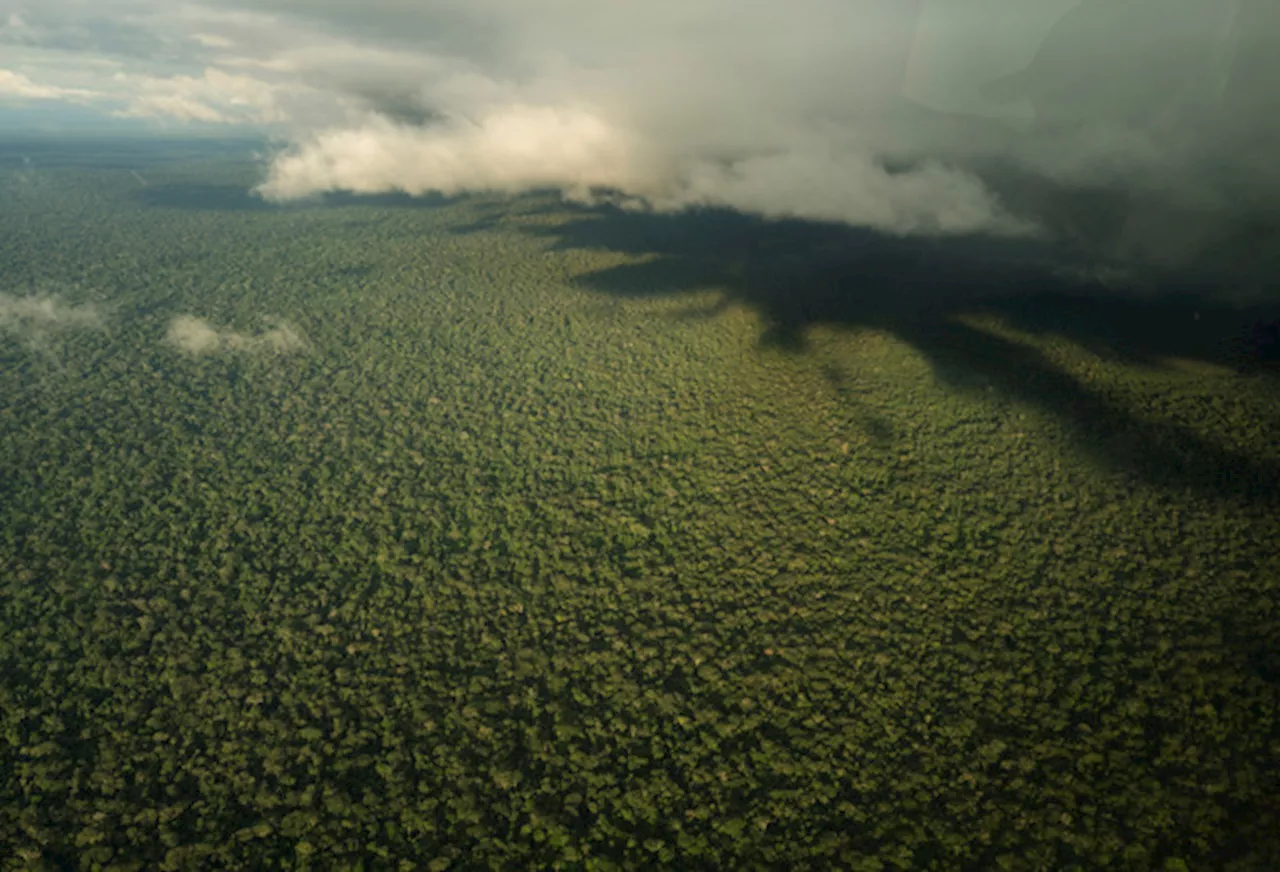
798	274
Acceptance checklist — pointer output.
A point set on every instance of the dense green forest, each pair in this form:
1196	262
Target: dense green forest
395	533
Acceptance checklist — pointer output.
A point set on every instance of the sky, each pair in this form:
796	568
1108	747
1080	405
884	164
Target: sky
887	114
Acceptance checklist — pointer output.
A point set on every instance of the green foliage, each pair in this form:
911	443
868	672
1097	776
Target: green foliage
498	573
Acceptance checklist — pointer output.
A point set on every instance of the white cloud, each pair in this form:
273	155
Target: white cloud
36	320
514	149
177	106
193	335
22	314
213	40
216	97
197	336
17	85
521	148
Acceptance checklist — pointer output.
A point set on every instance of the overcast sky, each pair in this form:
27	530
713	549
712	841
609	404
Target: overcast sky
874	112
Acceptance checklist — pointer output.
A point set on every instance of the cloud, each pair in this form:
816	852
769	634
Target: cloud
515	149
16	85
22	314
213	40
849	187
36	320
518	147
193	335
884	113
197	336
215	97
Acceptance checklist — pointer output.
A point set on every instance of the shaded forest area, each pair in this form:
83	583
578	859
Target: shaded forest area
801	274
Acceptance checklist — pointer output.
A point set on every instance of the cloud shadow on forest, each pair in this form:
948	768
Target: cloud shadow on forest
797	274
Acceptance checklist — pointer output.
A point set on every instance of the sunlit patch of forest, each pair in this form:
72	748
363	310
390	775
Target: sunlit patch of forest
480	533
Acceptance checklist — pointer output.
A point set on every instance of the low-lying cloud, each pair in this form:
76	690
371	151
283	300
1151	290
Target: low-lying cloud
196	336
516	149
36	320
522	148
21	314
